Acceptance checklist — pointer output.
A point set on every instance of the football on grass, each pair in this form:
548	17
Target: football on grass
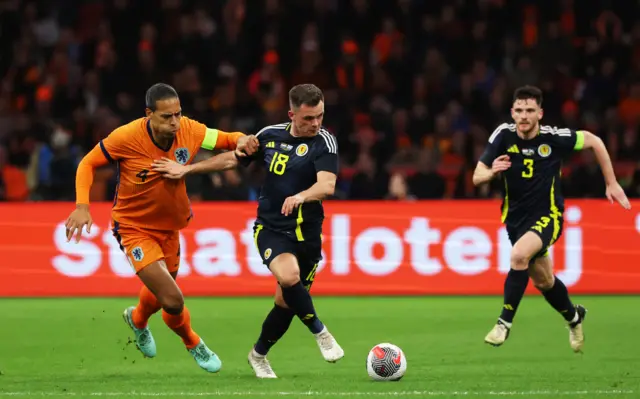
386	362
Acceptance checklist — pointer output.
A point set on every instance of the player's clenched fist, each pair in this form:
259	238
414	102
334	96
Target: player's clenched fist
501	164
247	145
79	218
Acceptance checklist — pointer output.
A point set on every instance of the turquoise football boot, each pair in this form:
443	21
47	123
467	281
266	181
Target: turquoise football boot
205	357
143	338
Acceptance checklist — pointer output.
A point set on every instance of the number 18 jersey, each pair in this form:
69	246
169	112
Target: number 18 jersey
292	164
532	184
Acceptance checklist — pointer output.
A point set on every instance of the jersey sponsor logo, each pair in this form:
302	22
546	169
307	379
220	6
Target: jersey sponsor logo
302	150
527	151
286	147
182	155
544	150
514	149
267	253
137	253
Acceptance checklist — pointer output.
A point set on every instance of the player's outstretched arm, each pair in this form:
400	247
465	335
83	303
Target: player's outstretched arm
614	190
81	217
218	139
324	187
484	174
173	170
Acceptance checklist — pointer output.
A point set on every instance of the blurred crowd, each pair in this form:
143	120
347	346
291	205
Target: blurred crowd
413	87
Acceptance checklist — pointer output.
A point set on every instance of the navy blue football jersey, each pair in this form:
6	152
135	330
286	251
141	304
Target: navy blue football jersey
532	183
292	164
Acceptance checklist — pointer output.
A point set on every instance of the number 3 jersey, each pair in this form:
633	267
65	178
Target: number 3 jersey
144	198
532	185
292	164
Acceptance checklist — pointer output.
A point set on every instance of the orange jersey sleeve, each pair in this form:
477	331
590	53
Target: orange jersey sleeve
228	141
111	149
84	175
120	143
209	138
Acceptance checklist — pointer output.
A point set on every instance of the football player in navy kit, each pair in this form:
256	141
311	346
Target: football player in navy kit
528	158
301	159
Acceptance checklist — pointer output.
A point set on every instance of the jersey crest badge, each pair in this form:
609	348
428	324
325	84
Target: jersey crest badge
182	155
267	253
137	254
544	150
302	150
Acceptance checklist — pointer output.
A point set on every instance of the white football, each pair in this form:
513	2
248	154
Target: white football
386	362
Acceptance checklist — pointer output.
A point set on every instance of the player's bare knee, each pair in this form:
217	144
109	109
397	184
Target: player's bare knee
543	281
286	270
543	285
519	260
541	273
289	278
172	303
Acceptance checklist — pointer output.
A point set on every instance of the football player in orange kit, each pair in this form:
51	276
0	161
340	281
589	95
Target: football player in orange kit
149	211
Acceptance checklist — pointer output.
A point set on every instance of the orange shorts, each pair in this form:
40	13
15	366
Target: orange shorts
143	246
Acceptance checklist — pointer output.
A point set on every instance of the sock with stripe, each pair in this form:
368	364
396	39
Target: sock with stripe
558	298
299	300
275	325
514	287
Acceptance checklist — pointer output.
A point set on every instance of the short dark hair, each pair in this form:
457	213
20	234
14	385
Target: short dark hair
305	94
528	92
159	92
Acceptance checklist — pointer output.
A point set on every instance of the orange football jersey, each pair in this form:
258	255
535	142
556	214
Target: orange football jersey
143	197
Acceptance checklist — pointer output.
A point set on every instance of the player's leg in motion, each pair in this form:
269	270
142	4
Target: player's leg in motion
137	318
274	327
556	293
296	296
515	285
292	298
176	316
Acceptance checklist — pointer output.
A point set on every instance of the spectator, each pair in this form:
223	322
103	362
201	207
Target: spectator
413	86
398	189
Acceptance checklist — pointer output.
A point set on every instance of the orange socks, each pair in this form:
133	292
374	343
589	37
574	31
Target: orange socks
147	306
181	325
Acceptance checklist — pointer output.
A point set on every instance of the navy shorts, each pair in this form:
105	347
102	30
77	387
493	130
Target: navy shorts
547	227
271	243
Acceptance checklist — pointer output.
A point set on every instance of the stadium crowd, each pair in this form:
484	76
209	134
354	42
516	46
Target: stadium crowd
413	87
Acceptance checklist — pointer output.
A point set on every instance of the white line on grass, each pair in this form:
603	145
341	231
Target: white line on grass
320	393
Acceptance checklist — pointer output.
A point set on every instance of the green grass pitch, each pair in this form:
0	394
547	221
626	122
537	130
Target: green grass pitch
80	348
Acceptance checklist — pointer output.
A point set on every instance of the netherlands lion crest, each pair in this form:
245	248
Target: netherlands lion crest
137	254
182	155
